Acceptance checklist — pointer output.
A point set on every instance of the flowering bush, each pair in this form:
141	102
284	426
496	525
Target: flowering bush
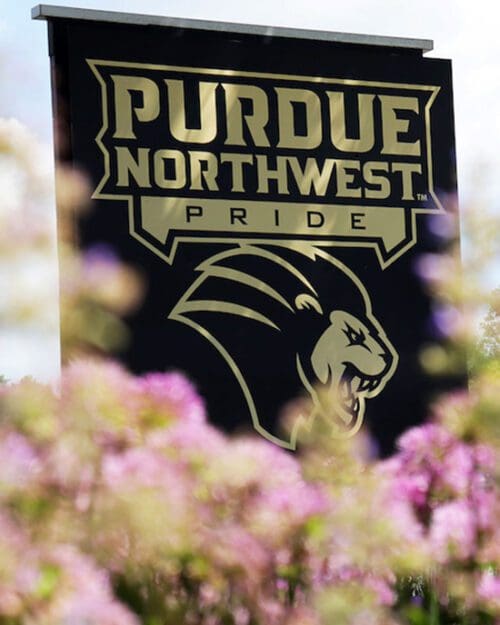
121	479
121	504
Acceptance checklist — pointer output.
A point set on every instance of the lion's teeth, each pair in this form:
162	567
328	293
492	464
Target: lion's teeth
344	389
368	385
365	384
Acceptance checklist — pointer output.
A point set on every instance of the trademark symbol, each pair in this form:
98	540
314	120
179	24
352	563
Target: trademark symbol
422	197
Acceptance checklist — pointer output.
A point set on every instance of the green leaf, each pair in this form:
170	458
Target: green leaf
49	579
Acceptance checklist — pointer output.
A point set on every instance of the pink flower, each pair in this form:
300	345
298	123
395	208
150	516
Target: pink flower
241	615
140	468
172	396
485	457
425	442
410	484
100	395
446	320
452	531
276	513
432	462
19	566
20	463
435	268
401	517
298	501
303	615
485	501
188	441
272	611
236	550
99	276
457	469
488	589
246	464
382	588
84	593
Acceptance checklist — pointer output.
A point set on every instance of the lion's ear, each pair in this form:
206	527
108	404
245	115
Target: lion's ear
306	301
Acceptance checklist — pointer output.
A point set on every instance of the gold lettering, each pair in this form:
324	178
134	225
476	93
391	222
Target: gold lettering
255	122
179	178
370	176
338	130
345	178
407	169
264	174
149	110
237	161
393	126
126	164
208	172
177	112
311	176
286	119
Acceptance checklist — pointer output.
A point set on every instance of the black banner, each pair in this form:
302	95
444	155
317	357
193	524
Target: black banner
277	192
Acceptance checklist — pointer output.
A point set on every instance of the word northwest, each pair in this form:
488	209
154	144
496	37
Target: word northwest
320	144
243	173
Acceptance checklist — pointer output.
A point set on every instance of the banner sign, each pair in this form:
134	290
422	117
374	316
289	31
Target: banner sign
277	188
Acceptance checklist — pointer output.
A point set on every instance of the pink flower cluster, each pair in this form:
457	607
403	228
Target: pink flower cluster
455	496
113	482
120	503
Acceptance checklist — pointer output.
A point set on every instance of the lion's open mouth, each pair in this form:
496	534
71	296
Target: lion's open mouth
351	384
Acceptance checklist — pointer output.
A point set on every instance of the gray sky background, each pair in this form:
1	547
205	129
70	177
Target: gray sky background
467	31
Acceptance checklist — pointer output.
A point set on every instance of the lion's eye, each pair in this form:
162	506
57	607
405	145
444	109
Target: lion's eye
355	337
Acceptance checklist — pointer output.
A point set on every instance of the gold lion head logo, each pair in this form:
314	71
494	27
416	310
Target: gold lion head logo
305	319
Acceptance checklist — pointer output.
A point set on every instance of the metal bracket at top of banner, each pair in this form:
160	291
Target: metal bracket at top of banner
48	12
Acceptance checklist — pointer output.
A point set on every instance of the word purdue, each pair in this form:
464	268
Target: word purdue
288	102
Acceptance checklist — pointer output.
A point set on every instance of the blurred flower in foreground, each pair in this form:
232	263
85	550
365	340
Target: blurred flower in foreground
126	476
96	290
461	295
452	485
26	177
125	470
26	180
